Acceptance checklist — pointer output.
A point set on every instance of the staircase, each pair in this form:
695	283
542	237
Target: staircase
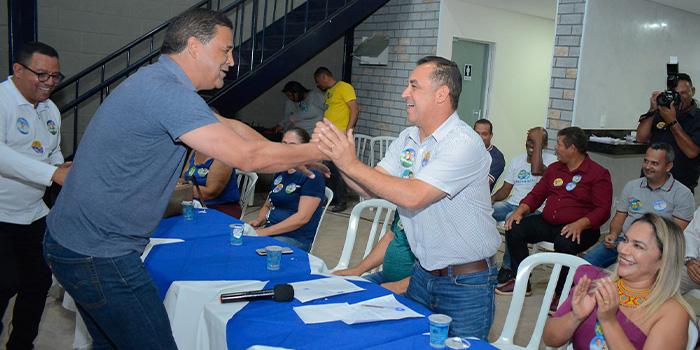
287	33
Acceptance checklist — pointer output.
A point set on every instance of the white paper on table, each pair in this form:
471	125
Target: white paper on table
323	288
349	278
249	230
382	309
156	241
185	302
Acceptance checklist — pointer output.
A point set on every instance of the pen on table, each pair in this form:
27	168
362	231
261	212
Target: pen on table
384	307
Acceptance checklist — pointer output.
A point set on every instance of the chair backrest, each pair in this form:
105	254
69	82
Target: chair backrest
692	336
380	206
246	188
362	148
505	341
379	146
329	198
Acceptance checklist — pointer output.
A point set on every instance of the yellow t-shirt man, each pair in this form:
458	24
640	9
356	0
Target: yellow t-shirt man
337	98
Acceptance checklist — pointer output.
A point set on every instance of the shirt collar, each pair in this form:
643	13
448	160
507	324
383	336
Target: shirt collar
666	187
20	100
440	133
583	168
172	67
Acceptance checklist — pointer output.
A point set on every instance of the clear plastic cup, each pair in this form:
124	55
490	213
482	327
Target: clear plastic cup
188	210
274	257
236	234
439	327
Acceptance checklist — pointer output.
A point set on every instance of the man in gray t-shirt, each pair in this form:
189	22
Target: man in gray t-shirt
657	192
124	173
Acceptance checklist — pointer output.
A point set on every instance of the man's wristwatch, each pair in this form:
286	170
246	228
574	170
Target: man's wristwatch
687	259
672	123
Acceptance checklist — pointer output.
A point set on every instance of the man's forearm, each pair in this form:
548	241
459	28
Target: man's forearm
685	143
644	130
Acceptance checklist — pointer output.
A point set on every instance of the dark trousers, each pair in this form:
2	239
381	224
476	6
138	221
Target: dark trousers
533	229
336	183
23	272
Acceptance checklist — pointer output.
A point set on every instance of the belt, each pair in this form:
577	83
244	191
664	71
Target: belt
465	269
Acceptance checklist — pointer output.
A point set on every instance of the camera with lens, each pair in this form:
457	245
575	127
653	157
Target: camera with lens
670	95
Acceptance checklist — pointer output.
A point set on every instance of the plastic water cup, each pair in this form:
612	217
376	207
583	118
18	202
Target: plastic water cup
439	327
274	257
457	343
188	210
236	234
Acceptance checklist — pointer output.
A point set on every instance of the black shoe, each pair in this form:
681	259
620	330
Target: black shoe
340	207
504	275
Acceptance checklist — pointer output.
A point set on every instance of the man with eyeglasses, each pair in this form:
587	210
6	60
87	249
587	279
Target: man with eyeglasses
31	160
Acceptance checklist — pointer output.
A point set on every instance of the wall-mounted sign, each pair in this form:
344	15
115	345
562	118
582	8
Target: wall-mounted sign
468	72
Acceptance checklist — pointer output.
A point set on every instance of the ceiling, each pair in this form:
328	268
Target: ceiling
685	5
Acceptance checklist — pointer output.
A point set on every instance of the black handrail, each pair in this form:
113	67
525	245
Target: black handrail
242	44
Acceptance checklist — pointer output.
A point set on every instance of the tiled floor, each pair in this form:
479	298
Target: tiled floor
57	326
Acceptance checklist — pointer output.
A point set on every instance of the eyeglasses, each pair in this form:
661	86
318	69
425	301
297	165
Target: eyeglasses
43	77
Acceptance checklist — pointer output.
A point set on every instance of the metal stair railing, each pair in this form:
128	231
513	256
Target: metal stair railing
251	43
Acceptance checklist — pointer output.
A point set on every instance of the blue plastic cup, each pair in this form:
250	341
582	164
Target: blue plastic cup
439	327
236	234
188	210
274	257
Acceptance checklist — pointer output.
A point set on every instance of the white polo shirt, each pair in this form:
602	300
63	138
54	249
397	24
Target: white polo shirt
458	228
29	148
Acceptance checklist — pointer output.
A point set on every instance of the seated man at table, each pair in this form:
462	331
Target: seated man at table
657	192
524	171
394	254
578	192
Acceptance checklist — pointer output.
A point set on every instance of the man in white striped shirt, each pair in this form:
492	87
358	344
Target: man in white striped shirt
437	174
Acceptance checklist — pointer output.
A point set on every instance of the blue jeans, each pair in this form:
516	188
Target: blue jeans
116	297
467	299
376	278
601	256
293	242
501	212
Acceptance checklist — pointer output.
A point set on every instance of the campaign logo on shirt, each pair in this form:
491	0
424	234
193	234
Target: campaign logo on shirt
290	188
278	180
524	174
23	126
304	107
277	188
407	157
576	179
191	171
399	225
202	172
661	125
636	205
558	182
660	205
36	146
426	158
570	186
407	174
52	127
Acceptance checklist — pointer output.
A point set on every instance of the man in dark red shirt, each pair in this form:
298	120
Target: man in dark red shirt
579	196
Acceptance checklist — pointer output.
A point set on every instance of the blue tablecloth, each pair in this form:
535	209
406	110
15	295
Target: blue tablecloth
207	223
276	324
214	259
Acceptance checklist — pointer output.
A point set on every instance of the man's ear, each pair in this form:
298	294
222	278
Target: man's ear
443	93
17	68
193	46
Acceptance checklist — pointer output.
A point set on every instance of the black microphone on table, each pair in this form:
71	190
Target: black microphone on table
280	293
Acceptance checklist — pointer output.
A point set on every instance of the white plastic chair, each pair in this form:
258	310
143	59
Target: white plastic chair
692	336
379	146
379	205
505	341
362	148
329	198
542	246
246	188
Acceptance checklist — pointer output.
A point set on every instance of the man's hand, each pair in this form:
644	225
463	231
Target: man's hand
694	270
338	145
609	241
349	272
668	114
572	230
59	176
256	223
653	106
536	134
515	217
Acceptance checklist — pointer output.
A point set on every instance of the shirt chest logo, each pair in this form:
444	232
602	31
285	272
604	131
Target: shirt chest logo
426	158
23	126
191	171
36	146
51	126
660	205
570	186
407	174
278	180
660	125
290	188
524	174
558	182
636	205
277	188
202	172
576	179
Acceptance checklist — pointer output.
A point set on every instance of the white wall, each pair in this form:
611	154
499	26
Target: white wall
523	59
622	61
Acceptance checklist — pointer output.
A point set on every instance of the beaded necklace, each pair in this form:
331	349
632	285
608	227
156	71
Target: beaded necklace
630	298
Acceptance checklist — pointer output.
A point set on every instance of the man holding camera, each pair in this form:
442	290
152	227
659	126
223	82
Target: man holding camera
675	121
